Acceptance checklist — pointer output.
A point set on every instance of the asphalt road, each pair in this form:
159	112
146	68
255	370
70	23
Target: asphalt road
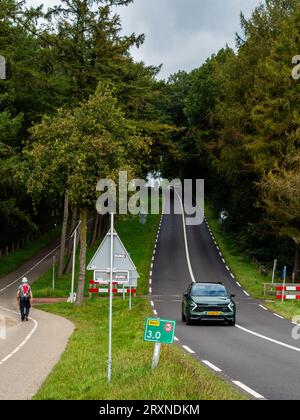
259	354
29	350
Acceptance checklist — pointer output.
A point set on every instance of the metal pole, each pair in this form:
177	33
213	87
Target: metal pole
156	355
53	273
124	296
274	271
110	298
73	265
284	282
130	298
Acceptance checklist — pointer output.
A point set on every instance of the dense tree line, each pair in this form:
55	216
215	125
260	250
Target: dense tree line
239	120
74	108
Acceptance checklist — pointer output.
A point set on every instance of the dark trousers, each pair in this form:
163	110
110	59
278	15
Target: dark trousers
24	308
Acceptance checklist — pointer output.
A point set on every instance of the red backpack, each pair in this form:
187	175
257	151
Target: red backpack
25	289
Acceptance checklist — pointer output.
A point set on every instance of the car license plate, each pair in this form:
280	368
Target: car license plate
213	313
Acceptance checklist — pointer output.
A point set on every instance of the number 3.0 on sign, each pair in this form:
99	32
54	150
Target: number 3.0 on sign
159	331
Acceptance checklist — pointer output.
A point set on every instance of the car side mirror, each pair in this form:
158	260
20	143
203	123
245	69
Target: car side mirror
185	294
232	296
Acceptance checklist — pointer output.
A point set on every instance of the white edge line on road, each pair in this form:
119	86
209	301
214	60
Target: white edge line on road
152	304
176	339
186	242
271	340
249	390
246	293
213	367
263	307
150	290
29	271
188	349
23	342
155	312
278	316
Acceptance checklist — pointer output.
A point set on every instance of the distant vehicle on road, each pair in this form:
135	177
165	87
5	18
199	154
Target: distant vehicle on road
208	302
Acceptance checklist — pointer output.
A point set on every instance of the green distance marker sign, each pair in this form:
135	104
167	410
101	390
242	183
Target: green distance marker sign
159	331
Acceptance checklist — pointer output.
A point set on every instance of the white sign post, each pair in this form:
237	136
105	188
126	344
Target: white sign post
113	259
284	282
110	298
274	271
72	298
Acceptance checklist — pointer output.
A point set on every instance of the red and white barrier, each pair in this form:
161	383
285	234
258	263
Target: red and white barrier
96	289
287	296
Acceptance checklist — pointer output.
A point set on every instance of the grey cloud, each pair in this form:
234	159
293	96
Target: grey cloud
181	34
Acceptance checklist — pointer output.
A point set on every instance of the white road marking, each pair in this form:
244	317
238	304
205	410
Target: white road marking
150	290
223	261
188	349
278	316
186	242
227	268
29	271
19	347
263	307
176	339
232	275
237	326
271	340
155	312
213	367
249	390
238	284
152	304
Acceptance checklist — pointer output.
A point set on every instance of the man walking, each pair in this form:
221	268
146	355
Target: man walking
24	299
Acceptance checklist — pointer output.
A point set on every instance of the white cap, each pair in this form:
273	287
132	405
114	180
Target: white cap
24	280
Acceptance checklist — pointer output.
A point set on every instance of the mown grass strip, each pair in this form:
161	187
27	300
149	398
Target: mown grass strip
11	262
82	371
245	272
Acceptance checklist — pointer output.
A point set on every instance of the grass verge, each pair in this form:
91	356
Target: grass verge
244	270
138	240
9	263
81	372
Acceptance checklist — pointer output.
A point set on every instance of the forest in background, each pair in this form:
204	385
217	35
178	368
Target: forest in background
75	108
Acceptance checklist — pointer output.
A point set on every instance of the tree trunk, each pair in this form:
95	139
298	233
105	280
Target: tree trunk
63	236
103	226
95	229
70	243
296	268
82	257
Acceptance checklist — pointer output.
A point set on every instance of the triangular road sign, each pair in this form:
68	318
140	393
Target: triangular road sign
121	260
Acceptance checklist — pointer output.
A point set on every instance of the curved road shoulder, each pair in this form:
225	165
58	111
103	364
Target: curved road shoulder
30	350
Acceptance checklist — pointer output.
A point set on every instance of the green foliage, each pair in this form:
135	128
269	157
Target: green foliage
241	110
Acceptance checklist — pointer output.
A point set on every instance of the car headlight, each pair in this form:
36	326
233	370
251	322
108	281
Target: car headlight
231	306
193	305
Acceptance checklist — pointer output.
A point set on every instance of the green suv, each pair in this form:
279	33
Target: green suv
208	302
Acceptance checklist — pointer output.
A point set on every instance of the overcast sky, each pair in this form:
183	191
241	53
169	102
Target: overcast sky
180	34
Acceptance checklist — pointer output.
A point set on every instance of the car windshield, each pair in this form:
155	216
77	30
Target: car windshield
208	290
